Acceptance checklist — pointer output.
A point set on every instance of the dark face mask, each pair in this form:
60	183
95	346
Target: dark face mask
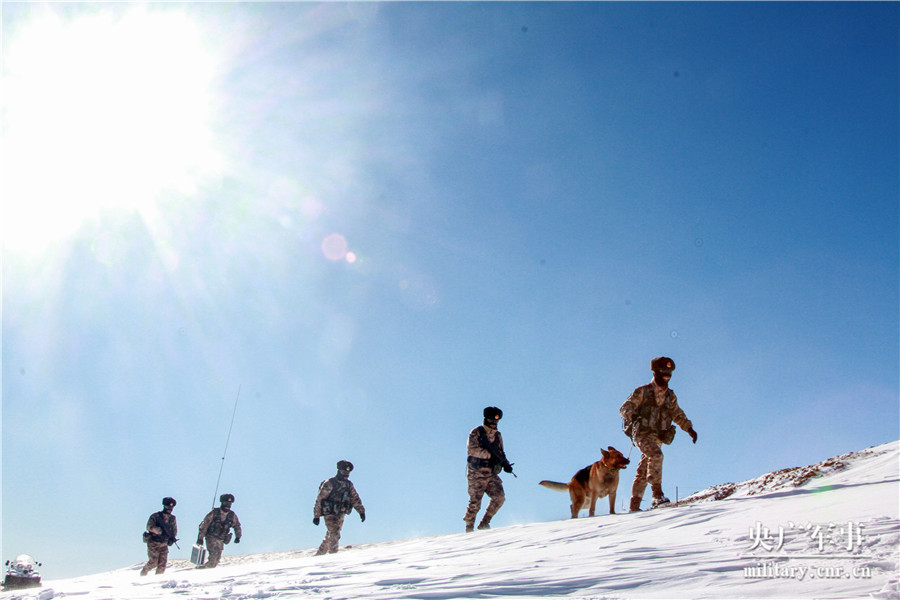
662	378
343	473
492	423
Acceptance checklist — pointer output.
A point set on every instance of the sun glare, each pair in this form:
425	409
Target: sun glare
101	112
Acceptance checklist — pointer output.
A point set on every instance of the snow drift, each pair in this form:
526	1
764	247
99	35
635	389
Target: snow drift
828	530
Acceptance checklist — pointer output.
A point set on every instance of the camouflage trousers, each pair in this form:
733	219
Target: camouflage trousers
481	482
649	469
158	553
333	526
214	549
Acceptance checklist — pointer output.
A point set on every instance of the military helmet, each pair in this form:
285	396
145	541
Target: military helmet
167	501
345	465
492	412
226	498
662	363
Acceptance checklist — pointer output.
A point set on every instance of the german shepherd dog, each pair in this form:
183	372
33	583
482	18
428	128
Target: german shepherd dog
593	482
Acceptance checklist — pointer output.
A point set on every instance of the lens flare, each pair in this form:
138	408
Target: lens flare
334	247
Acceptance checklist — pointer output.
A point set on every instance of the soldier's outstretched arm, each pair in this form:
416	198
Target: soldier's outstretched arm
356	502
237	528
682	421
680	418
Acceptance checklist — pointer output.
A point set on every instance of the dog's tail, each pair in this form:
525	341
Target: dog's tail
555	485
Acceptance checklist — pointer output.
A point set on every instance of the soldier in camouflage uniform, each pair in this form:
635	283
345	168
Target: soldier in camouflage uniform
216	527
161	533
485	461
648	414
337	498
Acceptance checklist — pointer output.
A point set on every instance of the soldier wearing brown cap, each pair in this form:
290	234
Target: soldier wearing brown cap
649	413
486	459
216	530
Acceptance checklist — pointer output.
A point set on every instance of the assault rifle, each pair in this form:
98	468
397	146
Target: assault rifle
497	455
167	532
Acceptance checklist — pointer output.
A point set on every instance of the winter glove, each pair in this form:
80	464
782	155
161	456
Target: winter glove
362	517
237	540
199	540
693	434
315	520
507	467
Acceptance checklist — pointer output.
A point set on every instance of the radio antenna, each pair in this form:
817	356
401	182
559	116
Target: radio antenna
228	439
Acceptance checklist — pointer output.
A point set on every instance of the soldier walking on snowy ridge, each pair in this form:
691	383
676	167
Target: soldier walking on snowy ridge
337	498
485	461
216	529
162	532
648	414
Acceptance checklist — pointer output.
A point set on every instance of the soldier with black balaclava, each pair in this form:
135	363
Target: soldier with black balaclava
485	461
162	532
216	530
337	498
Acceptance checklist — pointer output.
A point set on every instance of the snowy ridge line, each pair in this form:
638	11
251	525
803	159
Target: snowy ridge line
705	551
791	477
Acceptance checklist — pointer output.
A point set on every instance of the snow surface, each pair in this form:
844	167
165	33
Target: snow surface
828	530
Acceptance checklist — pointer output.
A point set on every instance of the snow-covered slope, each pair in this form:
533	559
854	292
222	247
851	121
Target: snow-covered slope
829	530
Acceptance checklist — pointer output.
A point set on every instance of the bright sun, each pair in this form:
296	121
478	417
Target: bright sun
101	112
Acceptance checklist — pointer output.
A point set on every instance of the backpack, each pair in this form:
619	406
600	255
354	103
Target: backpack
338	500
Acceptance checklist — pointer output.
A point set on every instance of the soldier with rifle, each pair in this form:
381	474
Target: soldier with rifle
162	532
485	461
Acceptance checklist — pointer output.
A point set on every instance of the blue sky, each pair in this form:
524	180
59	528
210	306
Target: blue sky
375	219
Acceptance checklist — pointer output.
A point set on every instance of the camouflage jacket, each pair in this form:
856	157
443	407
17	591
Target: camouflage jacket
218	522
162	527
648	416
480	459
337	496
474	446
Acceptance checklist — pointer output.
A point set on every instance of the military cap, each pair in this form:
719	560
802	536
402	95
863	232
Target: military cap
169	501
226	498
345	465
492	412
662	363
